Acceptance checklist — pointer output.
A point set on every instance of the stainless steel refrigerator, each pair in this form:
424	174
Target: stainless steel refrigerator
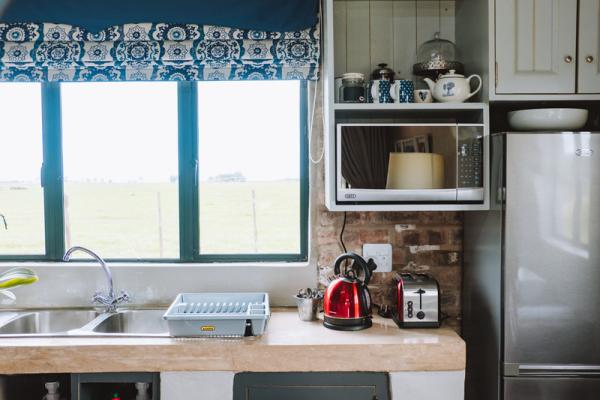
531	304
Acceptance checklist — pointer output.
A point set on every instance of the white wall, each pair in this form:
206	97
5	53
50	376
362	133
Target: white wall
367	33
417	385
196	385
73	284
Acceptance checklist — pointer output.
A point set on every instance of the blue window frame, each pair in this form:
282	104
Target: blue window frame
191	187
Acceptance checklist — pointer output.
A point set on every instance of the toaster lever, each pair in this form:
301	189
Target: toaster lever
420	292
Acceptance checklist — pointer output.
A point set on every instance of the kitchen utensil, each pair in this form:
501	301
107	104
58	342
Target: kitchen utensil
555	119
423	96
347	301
402	91
308	307
353	88
16	277
385	311
437	56
218	314
418	301
309	293
452	87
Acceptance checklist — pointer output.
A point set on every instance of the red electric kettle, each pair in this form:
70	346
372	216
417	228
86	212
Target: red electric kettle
347	301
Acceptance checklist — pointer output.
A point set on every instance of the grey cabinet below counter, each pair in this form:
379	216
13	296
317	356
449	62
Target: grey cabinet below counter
311	386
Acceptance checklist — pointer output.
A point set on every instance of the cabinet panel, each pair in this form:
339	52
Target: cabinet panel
367	33
534	39
313	386
311	393
589	46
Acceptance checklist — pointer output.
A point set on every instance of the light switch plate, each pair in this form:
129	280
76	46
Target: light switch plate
381	254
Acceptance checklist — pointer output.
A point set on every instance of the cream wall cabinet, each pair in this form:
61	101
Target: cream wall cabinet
545	47
589	46
536	46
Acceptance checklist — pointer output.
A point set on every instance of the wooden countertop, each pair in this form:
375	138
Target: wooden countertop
288	345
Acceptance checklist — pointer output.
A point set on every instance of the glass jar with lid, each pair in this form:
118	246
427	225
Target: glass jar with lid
437	56
352	89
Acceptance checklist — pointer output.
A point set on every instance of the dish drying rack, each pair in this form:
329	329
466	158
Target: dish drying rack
218	314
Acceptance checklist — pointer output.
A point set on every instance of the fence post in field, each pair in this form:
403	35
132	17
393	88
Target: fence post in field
160	227
254	221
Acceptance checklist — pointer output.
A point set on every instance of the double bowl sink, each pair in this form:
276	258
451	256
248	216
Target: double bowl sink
83	323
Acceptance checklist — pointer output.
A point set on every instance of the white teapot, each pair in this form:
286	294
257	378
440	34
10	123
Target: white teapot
452	87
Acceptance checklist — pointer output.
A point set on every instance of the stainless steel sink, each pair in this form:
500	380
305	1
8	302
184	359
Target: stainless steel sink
44	322
132	323
83	322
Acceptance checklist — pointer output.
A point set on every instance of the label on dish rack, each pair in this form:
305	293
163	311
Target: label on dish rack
208	328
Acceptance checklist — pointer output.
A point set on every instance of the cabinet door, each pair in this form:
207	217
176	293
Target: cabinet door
536	46
589	46
311	386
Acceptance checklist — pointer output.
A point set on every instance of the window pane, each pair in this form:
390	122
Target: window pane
21	194
120	168
249	167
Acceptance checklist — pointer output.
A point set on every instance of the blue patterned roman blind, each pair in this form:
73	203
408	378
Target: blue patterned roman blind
155	51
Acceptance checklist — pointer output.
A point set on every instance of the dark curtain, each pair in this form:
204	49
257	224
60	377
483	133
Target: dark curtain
365	156
96	15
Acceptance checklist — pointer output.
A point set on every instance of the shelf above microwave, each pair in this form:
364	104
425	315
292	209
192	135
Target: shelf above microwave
424	107
413	112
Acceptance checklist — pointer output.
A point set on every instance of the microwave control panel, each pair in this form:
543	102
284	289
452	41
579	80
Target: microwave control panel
470	157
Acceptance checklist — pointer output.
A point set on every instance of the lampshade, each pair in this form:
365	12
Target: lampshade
415	171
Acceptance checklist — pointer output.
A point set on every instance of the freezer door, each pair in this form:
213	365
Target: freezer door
552	249
551	389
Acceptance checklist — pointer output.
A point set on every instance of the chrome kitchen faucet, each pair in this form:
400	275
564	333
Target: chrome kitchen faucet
109	300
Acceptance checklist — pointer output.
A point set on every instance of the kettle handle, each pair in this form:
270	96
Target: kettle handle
366	267
473	93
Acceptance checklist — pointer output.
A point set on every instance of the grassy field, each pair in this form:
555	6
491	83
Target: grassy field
140	220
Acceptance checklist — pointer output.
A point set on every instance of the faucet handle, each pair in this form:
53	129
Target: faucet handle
123	297
99	298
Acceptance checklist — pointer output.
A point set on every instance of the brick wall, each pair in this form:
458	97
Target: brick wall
428	242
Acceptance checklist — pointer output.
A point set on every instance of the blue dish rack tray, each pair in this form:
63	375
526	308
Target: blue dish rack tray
218	314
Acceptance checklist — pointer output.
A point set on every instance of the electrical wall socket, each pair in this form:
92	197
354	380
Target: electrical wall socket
381	254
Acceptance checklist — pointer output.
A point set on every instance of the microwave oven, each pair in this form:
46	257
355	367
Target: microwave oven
400	163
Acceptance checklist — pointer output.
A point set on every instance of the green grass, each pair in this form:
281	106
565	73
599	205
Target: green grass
23	207
227	223
123	220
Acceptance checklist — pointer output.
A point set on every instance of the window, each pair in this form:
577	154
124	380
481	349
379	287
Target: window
120	168
249	167
21	193
155	171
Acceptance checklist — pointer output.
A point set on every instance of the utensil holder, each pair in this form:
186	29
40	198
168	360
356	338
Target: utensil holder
308	308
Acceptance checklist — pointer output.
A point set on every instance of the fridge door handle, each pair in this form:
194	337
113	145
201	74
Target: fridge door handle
511	369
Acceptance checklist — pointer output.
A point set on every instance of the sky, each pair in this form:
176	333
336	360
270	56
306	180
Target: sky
124	132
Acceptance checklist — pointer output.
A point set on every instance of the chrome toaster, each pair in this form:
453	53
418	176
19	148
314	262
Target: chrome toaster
418	301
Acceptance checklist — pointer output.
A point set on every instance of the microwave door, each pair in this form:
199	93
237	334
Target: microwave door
404	163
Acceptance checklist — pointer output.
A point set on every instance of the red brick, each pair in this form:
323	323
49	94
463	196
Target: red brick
374	236
435	236
411	238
